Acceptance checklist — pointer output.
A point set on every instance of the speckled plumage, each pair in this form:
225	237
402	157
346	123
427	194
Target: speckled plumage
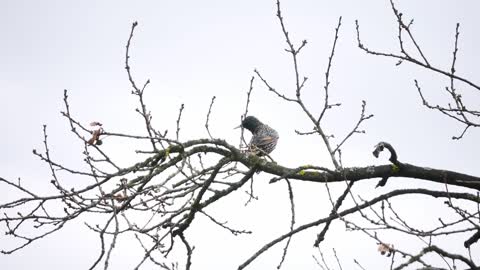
264	138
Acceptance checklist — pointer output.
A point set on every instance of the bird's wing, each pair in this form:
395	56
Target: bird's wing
262	140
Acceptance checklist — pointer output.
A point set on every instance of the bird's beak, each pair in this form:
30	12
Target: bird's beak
237	127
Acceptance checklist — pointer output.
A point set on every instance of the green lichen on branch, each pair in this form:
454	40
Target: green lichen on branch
395	168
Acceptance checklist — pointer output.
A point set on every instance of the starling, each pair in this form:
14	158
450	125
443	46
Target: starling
264	138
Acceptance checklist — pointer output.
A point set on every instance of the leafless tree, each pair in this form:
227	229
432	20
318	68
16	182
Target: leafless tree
158	198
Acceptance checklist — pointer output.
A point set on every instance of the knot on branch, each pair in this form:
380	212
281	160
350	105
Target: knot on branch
393	158
393	155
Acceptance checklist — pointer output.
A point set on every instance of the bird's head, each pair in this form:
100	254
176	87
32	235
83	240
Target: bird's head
251	123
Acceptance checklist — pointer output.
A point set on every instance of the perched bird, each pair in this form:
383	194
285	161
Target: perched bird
264	138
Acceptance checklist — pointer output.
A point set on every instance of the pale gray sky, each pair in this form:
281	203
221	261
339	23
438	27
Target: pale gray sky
193	50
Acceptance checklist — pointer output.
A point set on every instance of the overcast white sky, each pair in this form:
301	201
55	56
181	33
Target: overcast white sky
193	50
